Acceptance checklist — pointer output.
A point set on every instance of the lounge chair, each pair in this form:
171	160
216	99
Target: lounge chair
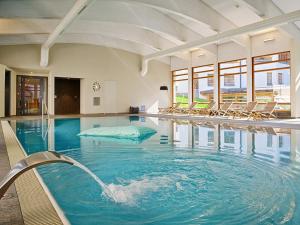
169	109
267	112
187	110
246	111
203	111
224	109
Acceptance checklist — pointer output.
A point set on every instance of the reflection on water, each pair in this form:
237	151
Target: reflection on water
273	144
207	173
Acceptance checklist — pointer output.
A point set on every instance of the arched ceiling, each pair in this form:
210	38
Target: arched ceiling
140	26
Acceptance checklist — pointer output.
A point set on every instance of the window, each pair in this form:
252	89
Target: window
275	68
233	81
269	140
210	82
203	85
229	81
269	79
280	78
210	137
229	137
180	87
280	140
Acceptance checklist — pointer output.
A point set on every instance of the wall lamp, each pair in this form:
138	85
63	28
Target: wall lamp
163	88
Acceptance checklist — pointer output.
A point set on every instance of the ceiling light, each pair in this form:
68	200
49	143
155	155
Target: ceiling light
269	39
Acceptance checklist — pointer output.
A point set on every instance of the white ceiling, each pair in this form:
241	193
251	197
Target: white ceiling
140	26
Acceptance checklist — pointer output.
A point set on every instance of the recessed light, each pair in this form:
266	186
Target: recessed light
269	39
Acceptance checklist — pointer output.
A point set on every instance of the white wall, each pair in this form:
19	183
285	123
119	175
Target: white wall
95	63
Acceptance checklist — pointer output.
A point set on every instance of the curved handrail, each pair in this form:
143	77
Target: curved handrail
30	162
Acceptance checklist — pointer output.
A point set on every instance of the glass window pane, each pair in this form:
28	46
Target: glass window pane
203	74
233	70
233	88
181	92
233	63
233	81
180	77
203	68
270	58
268	66
272	86
203	91
229	137
180	72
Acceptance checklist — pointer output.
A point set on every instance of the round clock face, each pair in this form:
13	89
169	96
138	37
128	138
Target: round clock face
96	86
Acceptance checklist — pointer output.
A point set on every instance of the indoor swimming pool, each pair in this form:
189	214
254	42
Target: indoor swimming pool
187	173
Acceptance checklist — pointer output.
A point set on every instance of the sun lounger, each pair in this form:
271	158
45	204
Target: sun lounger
224	109
187	110
246	111
169	109
204	111
266	113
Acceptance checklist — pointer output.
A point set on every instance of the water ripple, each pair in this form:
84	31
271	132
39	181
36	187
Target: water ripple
159	186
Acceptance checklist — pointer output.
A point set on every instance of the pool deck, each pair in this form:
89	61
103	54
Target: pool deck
279	123
293	123
33	203
10	211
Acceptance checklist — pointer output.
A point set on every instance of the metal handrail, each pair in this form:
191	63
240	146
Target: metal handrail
47	112
30	162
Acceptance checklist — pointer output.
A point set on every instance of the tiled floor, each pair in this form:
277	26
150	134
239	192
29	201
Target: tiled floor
35	203
10	212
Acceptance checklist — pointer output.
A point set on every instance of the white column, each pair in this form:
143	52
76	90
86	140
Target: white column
216	80
51	136
295	78
249	71
190	135
217	137
295	145
190	77
250	140
51	93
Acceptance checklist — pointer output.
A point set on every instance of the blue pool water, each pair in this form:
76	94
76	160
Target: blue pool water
184	174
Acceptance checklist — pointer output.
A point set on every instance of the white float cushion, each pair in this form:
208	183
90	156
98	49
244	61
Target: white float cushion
131	132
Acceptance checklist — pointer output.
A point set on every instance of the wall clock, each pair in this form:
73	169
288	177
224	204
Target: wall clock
96	86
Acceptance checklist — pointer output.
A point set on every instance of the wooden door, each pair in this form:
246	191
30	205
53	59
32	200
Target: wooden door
67	96
7	93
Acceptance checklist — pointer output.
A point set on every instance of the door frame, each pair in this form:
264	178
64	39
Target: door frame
45	98
7	98
54	93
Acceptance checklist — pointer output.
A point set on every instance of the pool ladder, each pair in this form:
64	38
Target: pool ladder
30	162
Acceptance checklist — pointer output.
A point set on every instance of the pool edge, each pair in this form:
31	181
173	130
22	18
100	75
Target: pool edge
50	213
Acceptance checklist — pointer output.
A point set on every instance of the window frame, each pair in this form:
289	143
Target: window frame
180	80
288	59
230	74
204	77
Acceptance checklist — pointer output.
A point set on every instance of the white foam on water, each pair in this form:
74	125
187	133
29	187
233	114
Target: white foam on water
178	186
129	193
